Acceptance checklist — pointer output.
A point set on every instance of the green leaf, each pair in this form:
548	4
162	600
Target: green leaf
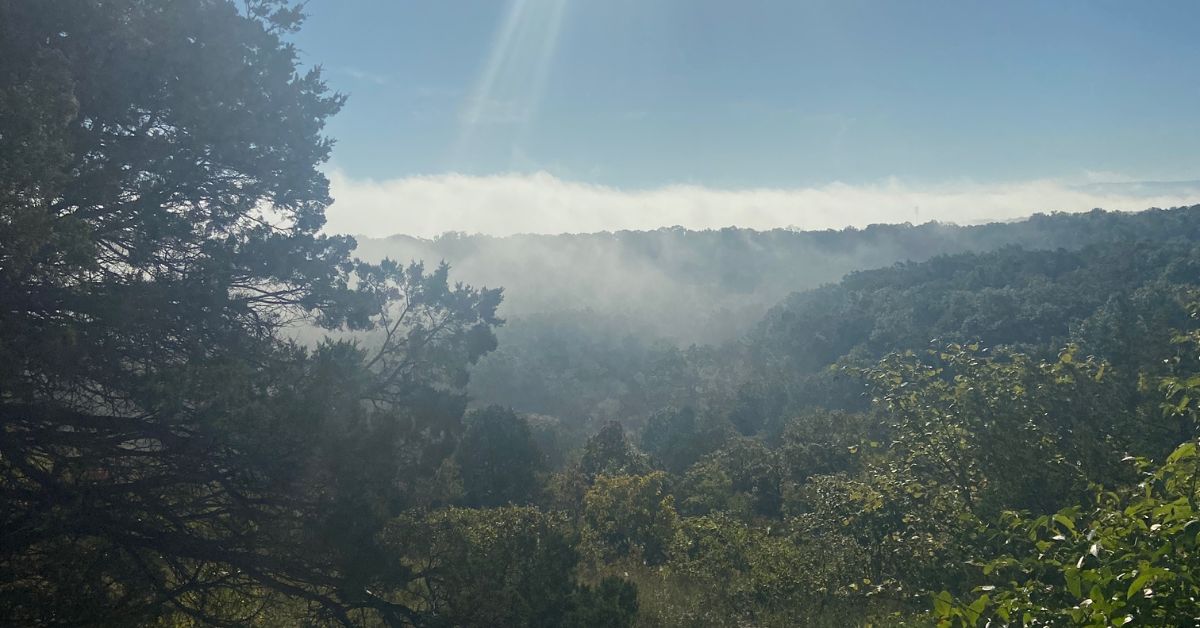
1138	583
1073	585
1184	451
977	607
942	603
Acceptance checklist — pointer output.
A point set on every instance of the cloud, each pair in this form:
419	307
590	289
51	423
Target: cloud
542	203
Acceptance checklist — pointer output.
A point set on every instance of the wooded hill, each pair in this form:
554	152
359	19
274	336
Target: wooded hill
591	366
710	286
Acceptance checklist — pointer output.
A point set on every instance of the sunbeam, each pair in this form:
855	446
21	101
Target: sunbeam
513	82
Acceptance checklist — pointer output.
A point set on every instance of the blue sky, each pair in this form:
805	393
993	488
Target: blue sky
641	94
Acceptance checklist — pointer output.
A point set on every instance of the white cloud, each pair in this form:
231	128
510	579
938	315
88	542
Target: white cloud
542	203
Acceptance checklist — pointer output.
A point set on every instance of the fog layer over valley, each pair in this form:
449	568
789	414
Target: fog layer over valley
616	309
686	286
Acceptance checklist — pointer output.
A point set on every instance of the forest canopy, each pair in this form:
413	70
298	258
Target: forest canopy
212	412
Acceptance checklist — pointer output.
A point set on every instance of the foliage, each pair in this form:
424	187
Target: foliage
677	438
1127	556
612	603
498	459
630	515
965	420
744	573
609	452
1181	387
507	566
165	448
1124	559
821	443
742	478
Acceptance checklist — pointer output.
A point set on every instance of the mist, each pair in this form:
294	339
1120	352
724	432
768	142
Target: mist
542	203
704	286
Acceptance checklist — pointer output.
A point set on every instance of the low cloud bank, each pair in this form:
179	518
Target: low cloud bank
505	204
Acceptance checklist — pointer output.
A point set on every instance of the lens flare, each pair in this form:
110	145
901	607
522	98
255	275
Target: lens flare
510	88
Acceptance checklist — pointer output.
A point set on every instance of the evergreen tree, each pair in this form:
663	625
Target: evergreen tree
164	447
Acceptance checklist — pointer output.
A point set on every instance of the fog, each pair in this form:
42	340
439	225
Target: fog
707	286
426	206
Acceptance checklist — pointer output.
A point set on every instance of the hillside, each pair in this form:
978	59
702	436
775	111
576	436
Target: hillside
710	286
1110	297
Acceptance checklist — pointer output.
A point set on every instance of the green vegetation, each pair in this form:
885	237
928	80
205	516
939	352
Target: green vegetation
1004	436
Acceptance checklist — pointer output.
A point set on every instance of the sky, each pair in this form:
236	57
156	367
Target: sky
547	116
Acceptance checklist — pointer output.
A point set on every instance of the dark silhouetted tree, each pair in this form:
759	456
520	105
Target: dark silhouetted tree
498	459
164	447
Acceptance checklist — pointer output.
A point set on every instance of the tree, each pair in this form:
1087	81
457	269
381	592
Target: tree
487	567
1130	555
676	438
630	515
509	566
742	478
164	447
609	452
822	443
1121	559
744	575
498	459
966	418
612	603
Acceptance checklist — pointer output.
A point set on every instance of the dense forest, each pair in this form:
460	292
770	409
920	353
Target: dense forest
707	287
214	413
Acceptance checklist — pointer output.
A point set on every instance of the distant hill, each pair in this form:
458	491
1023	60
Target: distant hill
1033	300
710	286
1119	299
